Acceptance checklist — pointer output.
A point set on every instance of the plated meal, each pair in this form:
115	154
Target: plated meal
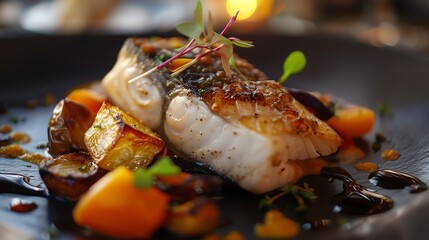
178	131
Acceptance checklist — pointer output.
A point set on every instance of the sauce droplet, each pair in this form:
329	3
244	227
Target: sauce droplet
22	205
17	183
391	179
355	199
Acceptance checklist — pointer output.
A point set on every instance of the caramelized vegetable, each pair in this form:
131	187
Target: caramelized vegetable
70	175
115	207
117	139
185	187
193	218
322	110
276	226
352	121
87	98
67	126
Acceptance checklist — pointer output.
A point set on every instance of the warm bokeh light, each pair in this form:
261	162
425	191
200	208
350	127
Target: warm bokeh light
247	8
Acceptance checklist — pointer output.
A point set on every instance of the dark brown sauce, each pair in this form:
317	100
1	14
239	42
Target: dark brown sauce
22	205
355	199
318	224
392	179
17	183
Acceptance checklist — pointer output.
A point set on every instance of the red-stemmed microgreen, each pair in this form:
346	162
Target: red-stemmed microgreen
206	40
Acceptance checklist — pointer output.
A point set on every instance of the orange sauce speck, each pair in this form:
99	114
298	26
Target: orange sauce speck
366	166
390	154
20	137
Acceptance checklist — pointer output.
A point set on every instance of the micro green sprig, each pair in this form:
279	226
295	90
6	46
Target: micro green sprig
206	39
164	166
299	193
294	63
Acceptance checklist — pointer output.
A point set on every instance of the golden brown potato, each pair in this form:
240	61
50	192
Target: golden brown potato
67	126
70	175
117	139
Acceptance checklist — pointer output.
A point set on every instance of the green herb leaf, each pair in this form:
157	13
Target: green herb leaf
223	39
143	178
83	168
241	43
164	166
207	42
299	193
198	14
210	28
225	56
383	109
190	29
293	64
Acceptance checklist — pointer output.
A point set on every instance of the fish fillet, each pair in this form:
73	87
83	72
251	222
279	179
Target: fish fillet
245	127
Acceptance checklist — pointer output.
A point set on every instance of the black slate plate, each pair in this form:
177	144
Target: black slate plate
32	66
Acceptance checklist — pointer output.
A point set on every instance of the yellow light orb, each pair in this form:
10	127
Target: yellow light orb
246	7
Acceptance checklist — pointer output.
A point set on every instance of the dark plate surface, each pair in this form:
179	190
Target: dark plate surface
32	66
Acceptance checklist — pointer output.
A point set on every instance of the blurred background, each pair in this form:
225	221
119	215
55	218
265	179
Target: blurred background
381	23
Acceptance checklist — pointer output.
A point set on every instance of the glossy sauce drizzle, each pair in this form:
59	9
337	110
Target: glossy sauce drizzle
17	183
392	179
355	199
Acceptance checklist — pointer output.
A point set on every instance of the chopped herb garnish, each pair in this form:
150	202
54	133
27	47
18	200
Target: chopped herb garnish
293	64
383	109
164	166
204	39
300	193
83	168
202	91
98	126
14	120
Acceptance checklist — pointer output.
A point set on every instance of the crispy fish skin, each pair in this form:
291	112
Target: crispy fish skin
245	127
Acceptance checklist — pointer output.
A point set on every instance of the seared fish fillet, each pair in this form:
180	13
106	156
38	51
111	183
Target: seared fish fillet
245	127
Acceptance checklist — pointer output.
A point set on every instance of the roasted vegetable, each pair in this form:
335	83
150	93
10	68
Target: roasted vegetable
67	126
70	175
87	97
352	121
185	187
115	207
117	139
193	218
313	103
276	226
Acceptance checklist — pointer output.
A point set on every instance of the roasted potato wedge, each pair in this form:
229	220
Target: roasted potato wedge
70	175
116	139
67	126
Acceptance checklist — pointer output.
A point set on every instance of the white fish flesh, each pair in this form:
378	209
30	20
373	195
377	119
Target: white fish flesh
244	127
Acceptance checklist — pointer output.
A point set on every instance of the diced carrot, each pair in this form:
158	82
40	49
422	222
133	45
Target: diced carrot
115	207
352	121
86	97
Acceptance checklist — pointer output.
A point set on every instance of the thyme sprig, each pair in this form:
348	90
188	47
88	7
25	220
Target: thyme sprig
300	194
205	39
